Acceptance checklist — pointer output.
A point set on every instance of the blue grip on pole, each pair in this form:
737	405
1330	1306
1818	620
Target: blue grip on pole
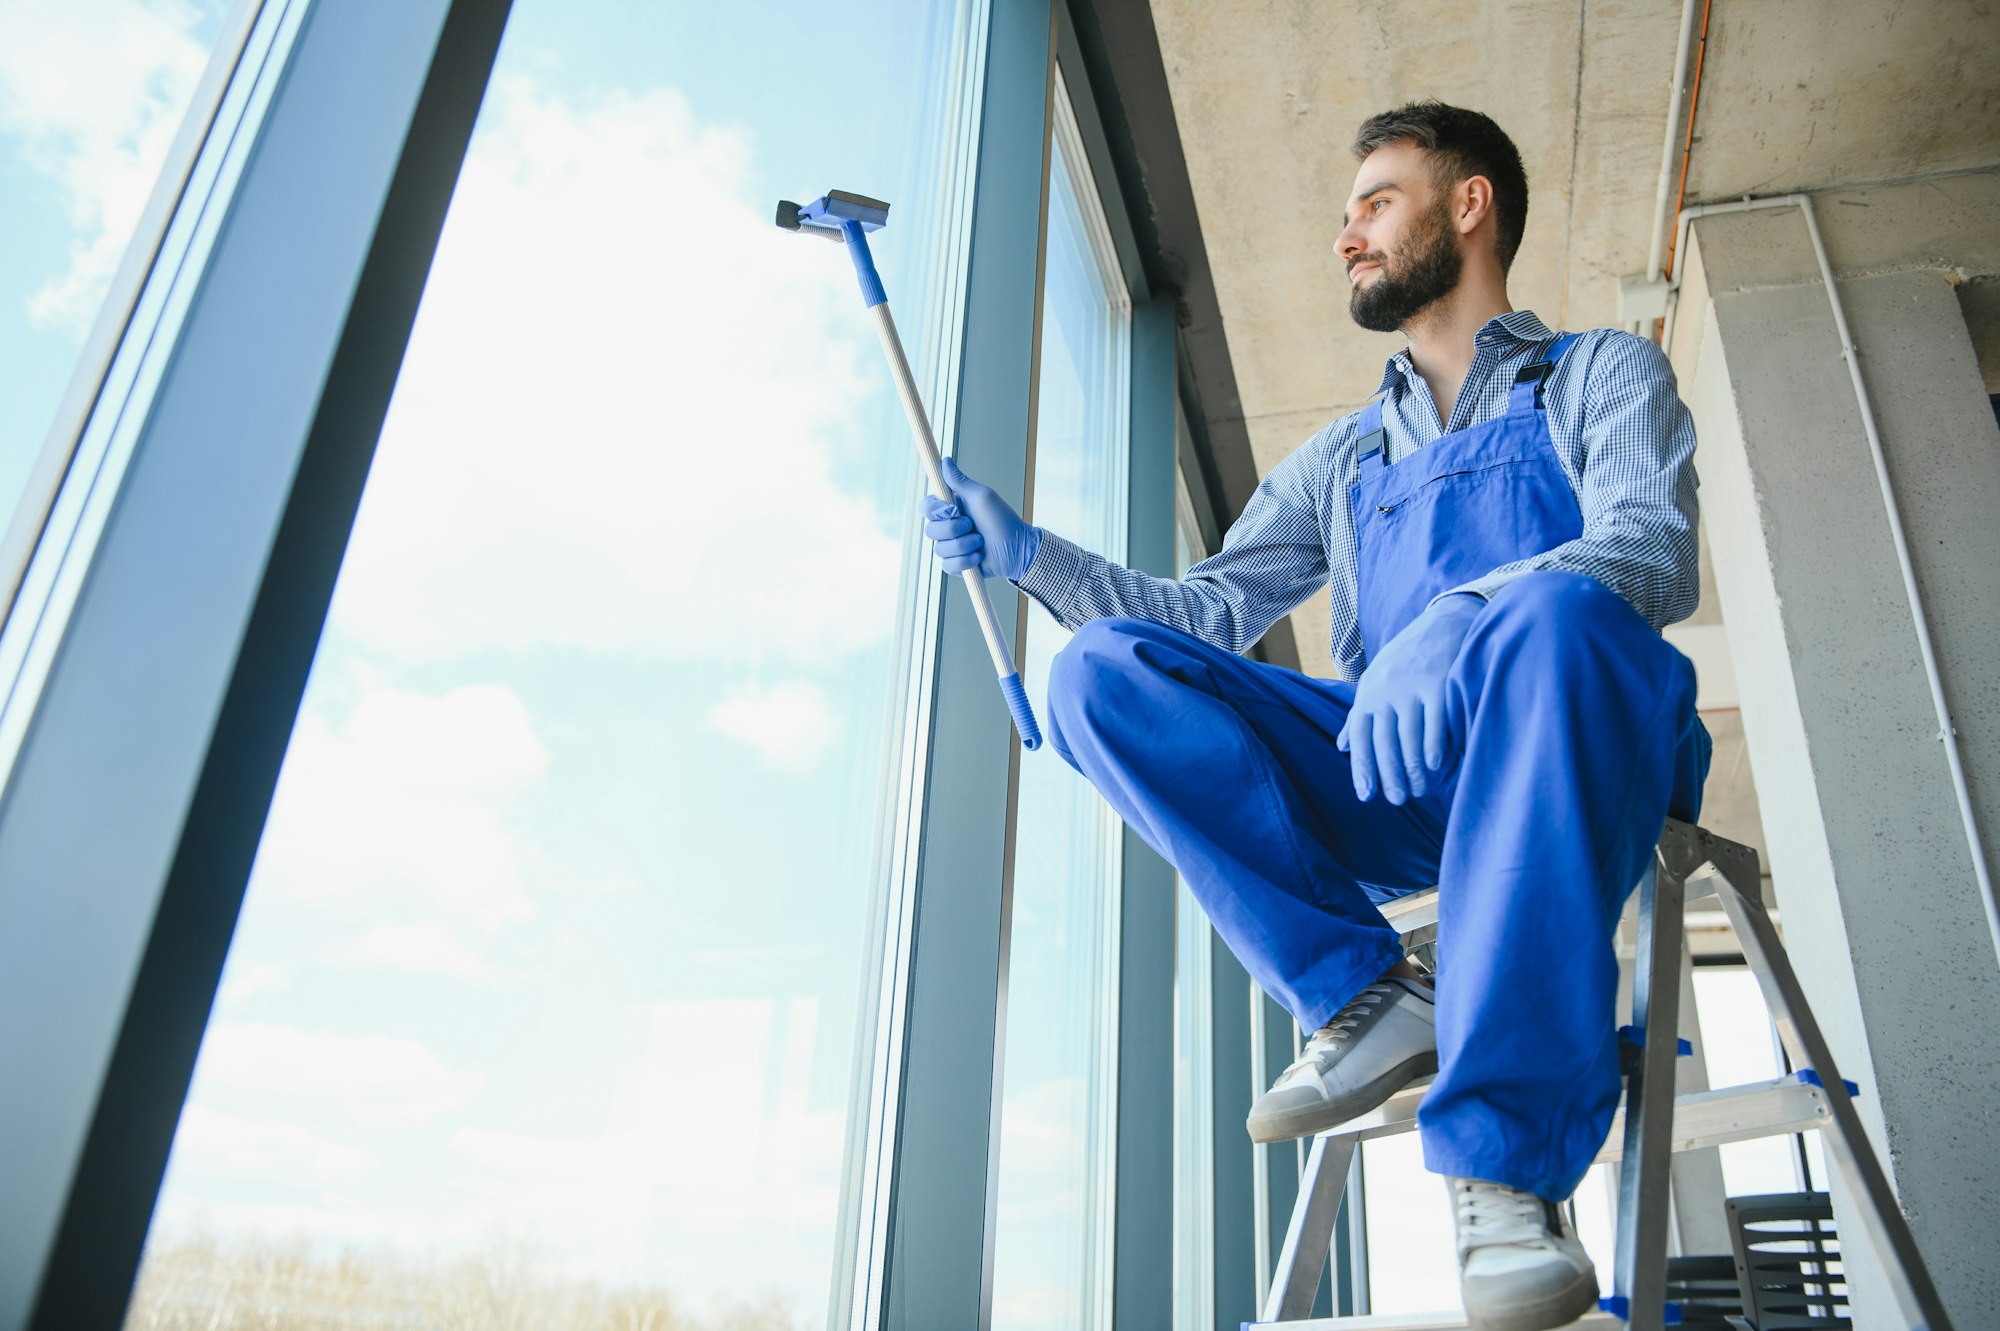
872	293
1016	694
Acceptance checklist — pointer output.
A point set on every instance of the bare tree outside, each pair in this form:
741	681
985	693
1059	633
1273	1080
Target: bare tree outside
198	1282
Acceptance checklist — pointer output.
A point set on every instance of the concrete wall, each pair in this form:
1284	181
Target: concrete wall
1872	872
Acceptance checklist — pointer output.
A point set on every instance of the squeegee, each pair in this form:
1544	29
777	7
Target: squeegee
848	218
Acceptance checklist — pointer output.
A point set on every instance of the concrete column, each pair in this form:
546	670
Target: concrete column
1871	870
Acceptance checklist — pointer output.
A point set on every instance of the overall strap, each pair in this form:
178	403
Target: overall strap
1526	395
1371	441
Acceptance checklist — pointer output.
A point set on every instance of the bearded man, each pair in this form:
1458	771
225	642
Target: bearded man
1501	533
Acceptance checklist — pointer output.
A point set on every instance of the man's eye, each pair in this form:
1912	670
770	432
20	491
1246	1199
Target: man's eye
1379	204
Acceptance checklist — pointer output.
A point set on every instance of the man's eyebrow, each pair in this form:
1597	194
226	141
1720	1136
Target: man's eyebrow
1368	194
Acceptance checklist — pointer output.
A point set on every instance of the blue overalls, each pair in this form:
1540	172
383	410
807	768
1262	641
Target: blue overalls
1577	736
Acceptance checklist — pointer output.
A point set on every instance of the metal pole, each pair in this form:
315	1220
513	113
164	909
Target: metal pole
1656	248
1947	731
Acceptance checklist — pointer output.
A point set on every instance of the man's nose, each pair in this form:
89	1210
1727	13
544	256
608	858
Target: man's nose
1348	243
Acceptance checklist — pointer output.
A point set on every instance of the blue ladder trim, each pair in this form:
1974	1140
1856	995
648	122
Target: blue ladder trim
1635	1037
1621	1307
1812	1078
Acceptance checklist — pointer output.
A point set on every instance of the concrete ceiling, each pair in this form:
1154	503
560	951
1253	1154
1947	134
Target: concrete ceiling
1794	94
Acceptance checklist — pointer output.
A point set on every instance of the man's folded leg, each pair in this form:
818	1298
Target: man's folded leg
1579	732
1228	768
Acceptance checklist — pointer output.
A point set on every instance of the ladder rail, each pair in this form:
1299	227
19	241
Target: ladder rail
1690	864
1844	1137
1309	1238
1640	1266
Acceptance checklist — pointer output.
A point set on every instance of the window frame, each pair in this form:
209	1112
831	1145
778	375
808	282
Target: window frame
135	803
942	1149
1142	1287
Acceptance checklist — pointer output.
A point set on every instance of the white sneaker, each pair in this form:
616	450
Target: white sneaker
1385	1038
1519	1264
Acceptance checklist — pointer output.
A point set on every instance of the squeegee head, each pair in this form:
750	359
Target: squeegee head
828	212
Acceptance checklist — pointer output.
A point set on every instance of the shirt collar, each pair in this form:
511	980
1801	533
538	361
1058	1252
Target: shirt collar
1513	326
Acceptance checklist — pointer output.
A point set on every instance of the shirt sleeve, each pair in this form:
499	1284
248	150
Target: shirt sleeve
1271	560
1636	486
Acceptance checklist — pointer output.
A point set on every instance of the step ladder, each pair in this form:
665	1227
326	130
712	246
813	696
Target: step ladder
1691	865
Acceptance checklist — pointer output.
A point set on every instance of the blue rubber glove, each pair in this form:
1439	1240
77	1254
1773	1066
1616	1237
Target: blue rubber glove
979	531
1396	730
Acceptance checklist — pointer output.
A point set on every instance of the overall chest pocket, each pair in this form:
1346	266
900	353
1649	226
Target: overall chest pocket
1443	464
1457	523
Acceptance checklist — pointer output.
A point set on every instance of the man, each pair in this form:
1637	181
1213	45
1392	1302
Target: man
1501	534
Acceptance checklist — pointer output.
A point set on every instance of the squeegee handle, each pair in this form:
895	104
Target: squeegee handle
1011	687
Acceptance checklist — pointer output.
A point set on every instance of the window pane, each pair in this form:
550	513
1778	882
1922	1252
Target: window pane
92	94
1741	1046
1412	1257
1194	1116
545	1005
1194	1055
1052	1248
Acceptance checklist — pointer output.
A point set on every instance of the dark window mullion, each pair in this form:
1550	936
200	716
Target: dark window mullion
134	808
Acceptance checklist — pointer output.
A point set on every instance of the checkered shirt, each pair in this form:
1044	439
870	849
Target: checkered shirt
1621	433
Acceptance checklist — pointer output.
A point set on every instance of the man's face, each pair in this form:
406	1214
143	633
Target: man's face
1398	241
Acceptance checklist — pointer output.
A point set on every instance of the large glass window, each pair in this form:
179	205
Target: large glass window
1053	1244
546	999
91	96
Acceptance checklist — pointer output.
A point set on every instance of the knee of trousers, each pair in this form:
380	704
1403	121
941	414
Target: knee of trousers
1101	660
1561	611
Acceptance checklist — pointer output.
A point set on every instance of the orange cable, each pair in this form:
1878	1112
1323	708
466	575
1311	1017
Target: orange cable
1687	149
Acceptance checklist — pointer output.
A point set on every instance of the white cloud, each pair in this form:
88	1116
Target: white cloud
259	977
93	92
611	431
710	1118
381	1081
410	793
425	947
252	1146
790	724
1049	1168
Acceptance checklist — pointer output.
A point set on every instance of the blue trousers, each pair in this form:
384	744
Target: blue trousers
1577	737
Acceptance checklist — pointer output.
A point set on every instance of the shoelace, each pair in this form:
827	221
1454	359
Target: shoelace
1490	1213
1344	1023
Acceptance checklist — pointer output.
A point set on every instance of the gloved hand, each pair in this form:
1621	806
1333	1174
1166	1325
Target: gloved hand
1395	732
979	531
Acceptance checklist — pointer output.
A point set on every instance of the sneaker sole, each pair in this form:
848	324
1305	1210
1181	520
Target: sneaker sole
1285	1125
1544	1314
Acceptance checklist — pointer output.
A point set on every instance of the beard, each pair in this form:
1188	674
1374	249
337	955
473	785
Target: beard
1428	273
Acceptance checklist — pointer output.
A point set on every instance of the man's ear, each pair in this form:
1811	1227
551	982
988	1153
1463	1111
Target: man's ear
1473	200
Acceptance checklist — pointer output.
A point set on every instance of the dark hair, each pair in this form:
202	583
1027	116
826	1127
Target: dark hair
1461	144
